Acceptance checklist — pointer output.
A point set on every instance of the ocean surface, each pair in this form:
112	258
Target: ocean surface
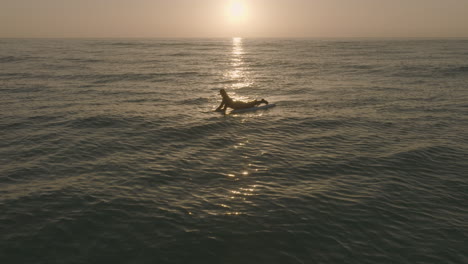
110	151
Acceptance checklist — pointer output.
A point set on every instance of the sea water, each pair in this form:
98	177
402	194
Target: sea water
110	151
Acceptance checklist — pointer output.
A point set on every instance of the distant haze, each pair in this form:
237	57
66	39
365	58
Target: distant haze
251	18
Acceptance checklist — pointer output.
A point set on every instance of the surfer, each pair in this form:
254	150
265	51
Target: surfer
228	102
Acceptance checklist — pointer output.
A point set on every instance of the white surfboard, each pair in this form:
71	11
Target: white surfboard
252	108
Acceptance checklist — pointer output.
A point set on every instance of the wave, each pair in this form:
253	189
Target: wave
103	78
12	59
455	70
124	44
186	133
104	121
181	54
430	158
9	59
297	124
195	101
426	70
83	60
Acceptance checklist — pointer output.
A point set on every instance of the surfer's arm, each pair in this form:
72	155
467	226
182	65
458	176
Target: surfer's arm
223	104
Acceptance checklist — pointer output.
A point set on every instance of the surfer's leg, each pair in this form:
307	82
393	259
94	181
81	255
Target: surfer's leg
260	102
252	104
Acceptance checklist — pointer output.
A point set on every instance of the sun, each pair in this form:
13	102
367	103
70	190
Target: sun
237	11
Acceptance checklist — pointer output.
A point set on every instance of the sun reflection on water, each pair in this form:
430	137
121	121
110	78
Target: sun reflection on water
236	198
237	75
237	44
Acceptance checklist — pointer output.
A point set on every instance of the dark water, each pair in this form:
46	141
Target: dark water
110	151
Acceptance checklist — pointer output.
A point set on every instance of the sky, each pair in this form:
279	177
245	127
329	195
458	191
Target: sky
233	18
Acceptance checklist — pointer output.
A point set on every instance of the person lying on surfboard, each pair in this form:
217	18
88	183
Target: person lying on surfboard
228	102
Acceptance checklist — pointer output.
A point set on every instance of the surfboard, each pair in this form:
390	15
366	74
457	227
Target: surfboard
251	109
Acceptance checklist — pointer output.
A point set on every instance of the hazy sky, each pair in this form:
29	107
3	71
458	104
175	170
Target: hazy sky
223	18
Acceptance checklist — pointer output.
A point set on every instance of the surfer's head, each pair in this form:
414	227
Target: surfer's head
223	93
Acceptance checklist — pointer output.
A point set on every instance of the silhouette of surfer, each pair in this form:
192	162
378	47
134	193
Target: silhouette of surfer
228	102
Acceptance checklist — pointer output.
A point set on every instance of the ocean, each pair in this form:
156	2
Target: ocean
111	152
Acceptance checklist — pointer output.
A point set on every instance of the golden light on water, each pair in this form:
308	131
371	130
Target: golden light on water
237	74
